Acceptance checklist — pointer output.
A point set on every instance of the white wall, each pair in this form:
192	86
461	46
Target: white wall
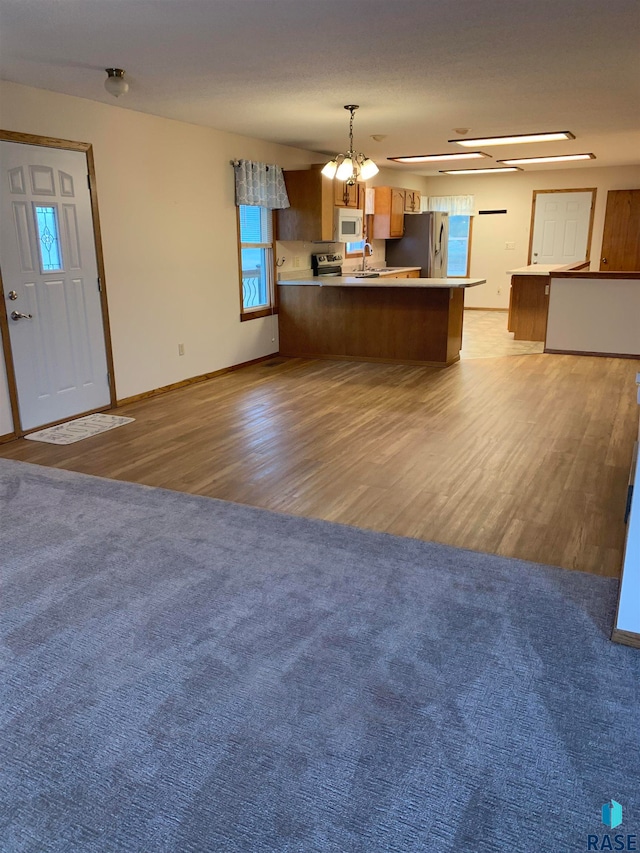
166	197
489	258
594	315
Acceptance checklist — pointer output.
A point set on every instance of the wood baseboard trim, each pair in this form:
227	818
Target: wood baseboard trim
597	354
627	638
10	436
479	308
193	380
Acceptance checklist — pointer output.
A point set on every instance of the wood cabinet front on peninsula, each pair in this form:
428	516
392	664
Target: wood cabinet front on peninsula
388	213
313	199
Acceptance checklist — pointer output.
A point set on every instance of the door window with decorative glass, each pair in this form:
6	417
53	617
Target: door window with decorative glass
255	228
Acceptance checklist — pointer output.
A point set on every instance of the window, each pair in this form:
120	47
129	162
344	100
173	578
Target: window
48	241
354	248
255	231
459	246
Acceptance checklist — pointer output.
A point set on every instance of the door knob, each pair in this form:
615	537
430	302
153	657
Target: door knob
604	260
18	315
12	295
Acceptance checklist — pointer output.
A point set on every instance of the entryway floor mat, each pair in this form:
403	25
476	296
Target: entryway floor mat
78	429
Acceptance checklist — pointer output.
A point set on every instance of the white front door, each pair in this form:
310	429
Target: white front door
561	227
51	285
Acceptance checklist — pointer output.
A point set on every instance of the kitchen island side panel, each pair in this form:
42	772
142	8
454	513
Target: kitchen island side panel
454	330
408	325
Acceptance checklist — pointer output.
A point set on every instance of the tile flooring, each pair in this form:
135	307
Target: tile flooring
485	335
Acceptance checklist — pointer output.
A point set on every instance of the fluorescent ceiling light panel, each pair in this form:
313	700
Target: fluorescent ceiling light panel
556	136
561	159
433	158
492	171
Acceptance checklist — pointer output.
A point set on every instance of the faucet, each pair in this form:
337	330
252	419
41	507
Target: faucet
364	254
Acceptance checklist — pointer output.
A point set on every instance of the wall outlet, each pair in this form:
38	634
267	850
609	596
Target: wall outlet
180	349
509	246
296	262
499	291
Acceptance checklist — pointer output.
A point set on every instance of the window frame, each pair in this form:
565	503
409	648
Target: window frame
468	269
272	306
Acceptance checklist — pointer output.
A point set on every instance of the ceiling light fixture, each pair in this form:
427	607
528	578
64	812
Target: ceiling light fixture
433	158
115	84
556	136
560	159
491	171
350	167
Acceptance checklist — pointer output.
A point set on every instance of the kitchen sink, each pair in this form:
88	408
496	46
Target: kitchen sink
367	274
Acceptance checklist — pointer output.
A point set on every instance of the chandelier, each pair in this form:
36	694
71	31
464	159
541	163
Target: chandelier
350	167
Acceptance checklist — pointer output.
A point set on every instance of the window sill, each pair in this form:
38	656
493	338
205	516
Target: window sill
259	312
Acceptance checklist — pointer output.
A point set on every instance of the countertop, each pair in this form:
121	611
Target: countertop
541	269
383	281
382	272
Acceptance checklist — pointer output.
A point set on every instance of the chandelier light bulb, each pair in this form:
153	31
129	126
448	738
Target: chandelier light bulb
329	170
368	169
115	84
345	169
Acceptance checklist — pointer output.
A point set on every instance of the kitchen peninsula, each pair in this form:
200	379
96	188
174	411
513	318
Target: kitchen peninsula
529	299
386	319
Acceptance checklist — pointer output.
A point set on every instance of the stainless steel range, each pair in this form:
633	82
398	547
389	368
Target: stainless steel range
326	264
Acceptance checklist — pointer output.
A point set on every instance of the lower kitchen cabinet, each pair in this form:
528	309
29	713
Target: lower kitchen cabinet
528	307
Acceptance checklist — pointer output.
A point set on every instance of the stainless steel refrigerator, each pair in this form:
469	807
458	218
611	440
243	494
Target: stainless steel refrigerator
425	244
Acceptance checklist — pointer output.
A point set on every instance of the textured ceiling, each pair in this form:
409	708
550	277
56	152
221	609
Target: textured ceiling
281	70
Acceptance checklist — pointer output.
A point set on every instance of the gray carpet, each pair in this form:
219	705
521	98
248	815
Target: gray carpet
187	675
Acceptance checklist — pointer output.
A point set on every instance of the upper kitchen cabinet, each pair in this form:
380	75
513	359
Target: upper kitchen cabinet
310	216
412	201
388	213
313	199
348	195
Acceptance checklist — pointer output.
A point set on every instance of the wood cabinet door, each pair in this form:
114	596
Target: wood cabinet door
345	195
621	235
412	201
396	225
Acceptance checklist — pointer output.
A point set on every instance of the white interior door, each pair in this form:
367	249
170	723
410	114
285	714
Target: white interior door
51	285
561	227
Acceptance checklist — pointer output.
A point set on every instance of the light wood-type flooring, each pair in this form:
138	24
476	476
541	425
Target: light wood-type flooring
485	335
526	456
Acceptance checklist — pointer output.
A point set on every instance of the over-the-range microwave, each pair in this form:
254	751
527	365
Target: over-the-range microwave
349	225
